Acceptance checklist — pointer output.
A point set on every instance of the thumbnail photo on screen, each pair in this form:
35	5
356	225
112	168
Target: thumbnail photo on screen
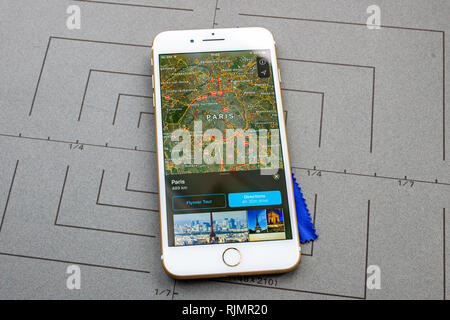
228	227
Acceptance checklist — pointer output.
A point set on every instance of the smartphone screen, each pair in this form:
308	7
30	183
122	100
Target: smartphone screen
223	163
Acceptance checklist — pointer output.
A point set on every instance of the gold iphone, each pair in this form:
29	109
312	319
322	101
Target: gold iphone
225	187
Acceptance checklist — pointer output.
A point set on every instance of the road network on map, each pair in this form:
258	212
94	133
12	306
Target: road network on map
223	91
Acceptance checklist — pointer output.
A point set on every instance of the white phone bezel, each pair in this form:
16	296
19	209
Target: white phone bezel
206	260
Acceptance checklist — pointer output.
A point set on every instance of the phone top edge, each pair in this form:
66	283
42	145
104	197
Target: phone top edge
212	34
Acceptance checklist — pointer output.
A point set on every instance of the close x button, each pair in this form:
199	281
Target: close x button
199	202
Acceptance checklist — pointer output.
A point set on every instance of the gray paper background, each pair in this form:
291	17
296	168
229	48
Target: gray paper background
366	124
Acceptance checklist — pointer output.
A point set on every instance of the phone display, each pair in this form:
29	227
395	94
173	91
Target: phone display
223	163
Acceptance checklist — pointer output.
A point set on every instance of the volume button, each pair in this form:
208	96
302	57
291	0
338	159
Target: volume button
153	82
279	76
154	101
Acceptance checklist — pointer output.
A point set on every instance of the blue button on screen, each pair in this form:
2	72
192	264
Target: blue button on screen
254	199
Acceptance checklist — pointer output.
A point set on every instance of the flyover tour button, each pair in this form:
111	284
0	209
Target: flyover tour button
199	202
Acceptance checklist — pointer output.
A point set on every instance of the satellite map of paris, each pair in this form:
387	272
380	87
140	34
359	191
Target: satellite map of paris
222	90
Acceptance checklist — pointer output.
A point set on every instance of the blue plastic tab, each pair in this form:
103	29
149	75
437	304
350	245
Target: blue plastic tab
306	228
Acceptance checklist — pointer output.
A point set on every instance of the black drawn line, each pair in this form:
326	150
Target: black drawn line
9	194
72	262
134	5
88	228
106	145
127	187
118	102
80	40
114	205
109	72
385	27
321	108
375	175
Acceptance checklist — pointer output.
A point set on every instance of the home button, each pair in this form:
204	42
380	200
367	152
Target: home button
231	257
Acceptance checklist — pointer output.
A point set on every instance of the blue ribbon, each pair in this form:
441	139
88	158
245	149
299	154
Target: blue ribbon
306	228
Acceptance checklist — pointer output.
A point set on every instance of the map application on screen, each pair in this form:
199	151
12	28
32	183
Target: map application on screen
222	155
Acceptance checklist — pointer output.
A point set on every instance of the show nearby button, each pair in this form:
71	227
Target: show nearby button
254	199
